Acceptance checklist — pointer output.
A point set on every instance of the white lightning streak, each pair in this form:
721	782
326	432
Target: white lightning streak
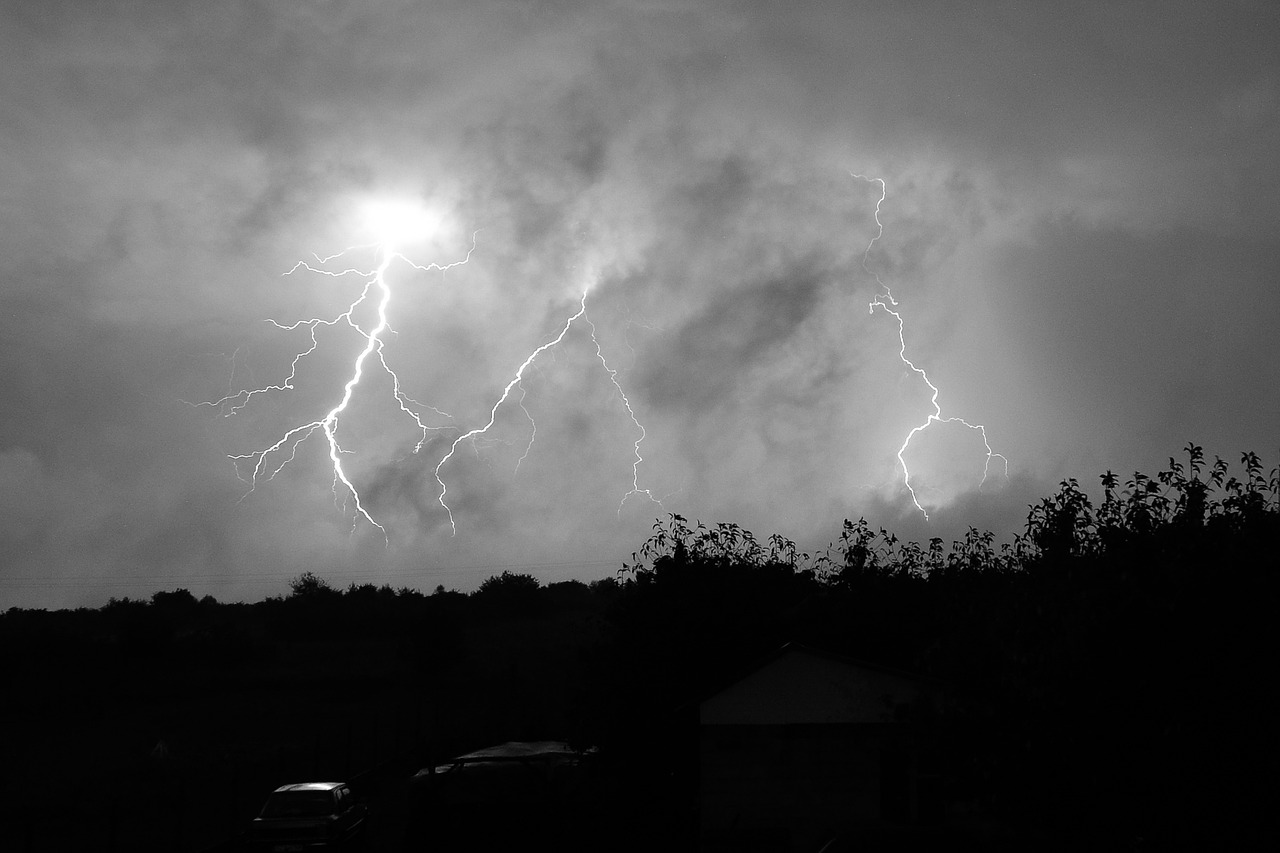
268	461
328	424
516	382
885	301
635	465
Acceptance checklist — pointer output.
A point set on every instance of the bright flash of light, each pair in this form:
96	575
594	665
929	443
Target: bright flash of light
391	223
884	300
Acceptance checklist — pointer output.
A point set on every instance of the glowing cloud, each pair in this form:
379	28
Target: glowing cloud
392	223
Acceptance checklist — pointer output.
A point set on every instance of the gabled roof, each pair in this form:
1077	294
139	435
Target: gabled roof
798	684
862	663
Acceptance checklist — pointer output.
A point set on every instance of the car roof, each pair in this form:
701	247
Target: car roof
520	750
309	786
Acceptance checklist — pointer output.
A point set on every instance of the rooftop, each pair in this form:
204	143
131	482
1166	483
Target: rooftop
308	786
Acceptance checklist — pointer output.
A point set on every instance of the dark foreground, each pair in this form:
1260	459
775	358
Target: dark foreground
1101	683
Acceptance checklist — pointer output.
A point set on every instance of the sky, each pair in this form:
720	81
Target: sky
1080	226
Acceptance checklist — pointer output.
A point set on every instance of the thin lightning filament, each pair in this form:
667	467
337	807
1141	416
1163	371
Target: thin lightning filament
884	300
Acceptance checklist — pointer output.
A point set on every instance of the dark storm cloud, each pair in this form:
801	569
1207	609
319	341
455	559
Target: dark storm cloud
1080	230
1155	334
728	336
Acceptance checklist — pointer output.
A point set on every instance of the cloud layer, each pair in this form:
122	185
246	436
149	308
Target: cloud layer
1080	229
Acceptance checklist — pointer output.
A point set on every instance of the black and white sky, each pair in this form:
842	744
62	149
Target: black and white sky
1081	229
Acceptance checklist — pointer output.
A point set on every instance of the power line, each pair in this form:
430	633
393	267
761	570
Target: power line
117	581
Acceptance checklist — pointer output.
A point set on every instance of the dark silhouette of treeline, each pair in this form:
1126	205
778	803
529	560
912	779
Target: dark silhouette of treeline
1109	670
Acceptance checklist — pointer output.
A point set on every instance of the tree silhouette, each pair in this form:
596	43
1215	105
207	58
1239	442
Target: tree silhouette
308	585
1107	667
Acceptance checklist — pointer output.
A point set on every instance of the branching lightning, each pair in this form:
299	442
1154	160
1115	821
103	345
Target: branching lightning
884	300
265	463
516	380
285	449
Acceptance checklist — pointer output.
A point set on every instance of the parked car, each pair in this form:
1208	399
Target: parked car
534	795
308	816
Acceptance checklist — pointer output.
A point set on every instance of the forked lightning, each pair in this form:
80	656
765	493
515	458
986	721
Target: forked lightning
264	463
884	300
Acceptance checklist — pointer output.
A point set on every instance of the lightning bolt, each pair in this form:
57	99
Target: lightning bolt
266	462
269	461
884	300
638	459
516	383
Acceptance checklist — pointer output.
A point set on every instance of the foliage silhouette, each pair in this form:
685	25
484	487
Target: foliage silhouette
1108	665
1106	662
309	585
